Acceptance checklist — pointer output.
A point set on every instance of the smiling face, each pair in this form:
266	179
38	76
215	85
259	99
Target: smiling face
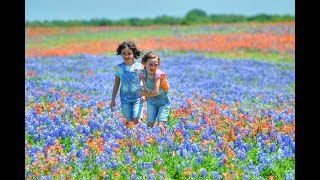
152	65
127	56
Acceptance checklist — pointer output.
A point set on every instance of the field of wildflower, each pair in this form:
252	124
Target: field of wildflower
232	88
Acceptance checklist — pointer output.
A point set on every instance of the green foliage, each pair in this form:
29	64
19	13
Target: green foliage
196	13
166	20
227	18
99	22
194	16
66	142
171	121
29	139
270	18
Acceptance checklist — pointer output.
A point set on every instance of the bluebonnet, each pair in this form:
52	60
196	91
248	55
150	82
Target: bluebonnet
80	155
179	168
151	176
161	175
256	171
193	175
134	150
118	134
140	153
113	165
206	151
287	151
97	160
133	175
261	145
86	130
272	147
216	175
148	165
127	159
203	173
184	153
47	177
140	164
266	78
93	125
241	154
220	163
245	177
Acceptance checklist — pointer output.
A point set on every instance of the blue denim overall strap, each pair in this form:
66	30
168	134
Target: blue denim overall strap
130	83
129	93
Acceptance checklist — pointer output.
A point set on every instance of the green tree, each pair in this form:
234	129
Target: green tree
260	18
195	16
166	20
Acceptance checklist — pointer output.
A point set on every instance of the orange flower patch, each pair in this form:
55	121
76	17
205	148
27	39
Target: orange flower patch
205	42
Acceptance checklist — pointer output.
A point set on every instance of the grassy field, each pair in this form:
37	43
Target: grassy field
232	88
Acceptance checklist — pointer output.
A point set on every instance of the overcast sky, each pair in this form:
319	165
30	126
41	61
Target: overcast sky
122	9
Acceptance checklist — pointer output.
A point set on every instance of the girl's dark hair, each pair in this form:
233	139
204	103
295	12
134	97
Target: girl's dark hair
131	45
150	55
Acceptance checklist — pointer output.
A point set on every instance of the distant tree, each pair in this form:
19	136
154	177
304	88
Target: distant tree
75	23
214	18
147	22
166	20
195	16
196	13
260	18
105	22
122	22
33	23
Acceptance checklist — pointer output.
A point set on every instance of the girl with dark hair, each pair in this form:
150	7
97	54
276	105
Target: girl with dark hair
127	78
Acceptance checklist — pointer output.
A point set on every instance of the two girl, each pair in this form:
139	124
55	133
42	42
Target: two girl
139	83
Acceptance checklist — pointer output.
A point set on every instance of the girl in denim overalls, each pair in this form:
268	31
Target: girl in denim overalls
155	88
127	77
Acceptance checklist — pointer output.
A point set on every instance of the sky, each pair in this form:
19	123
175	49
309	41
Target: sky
123	9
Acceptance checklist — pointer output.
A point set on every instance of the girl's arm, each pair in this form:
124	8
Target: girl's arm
155	90
144	89
115	90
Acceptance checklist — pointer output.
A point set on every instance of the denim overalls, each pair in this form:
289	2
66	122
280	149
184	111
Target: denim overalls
130	86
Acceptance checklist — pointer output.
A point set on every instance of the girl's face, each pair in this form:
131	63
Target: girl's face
152	65
127	54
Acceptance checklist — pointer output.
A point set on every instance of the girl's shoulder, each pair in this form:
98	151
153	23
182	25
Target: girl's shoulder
118	66
118	69
159	73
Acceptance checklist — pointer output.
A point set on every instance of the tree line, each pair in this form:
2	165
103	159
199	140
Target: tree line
193	17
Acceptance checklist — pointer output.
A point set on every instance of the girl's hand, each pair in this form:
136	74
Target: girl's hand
141	93
143	99
141	78
112	104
